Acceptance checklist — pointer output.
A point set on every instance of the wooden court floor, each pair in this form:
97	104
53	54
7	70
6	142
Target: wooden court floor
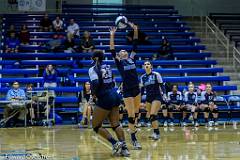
72	143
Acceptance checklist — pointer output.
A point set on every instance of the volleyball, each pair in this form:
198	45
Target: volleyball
121	22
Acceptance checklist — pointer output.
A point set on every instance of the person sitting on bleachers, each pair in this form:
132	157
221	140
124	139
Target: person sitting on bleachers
50	77
24	35
87	43
142	38
73	29
165	51
17	106
57	24
87	102
45	24
12	44
55	44
12	30
69	44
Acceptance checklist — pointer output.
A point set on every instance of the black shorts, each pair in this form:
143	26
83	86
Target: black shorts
133	92
109	100
150	99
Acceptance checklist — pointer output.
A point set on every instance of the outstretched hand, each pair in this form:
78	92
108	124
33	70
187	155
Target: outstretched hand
133	26
112	30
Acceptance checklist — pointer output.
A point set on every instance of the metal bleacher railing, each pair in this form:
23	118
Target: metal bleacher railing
220	38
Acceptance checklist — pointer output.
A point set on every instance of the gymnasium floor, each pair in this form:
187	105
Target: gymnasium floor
72	143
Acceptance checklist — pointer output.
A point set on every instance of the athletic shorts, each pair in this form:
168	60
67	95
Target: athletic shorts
150	99
133	92
109	100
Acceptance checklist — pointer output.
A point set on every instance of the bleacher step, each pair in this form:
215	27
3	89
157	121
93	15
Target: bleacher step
234	75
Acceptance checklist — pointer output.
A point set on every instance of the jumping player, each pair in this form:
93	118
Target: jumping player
131	91
207	104
152	82
107	102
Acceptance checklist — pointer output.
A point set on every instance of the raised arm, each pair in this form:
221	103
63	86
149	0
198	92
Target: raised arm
112	45
112	36
135	39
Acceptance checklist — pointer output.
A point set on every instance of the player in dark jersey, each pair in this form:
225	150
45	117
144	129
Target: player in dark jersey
152	82
208	105
131	91
174	100
190	100
107	102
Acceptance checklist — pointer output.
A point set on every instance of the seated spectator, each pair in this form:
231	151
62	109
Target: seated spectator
142	38
12	30
24	35
12	44
45	24
57	24
69	44
50	76
165	51
73	29
55	44
88	103
17	97
87	43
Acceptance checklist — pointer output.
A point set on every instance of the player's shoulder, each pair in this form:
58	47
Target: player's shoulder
170	93
91	69
144	75
203	92
156	73
179	92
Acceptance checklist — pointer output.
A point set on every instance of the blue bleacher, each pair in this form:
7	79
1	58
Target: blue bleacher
190	60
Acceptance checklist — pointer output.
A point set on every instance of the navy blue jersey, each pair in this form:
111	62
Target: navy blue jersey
207	97
101	79
190	98
174	97
128	71
151	82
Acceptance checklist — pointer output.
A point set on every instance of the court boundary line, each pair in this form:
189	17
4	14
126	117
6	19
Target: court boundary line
106	145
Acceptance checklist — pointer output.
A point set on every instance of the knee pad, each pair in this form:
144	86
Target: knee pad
215	110
114	128
206	109
96	128
136	115
153	118
131	120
